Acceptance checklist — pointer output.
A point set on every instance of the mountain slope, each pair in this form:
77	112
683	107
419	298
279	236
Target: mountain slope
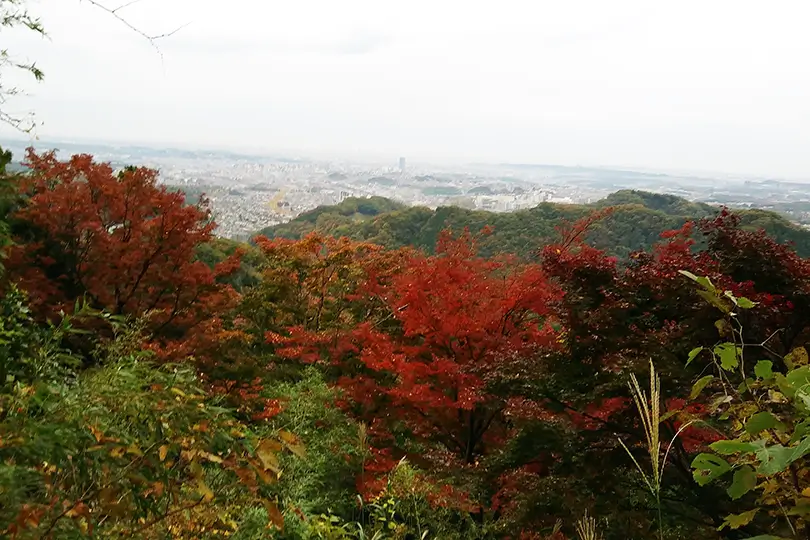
637	222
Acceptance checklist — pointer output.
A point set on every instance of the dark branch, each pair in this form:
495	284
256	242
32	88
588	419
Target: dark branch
152	39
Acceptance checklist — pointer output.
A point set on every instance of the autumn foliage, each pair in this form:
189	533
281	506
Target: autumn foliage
119	240
348	390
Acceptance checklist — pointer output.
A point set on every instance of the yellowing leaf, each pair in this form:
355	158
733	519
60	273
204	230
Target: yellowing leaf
266	454
196	470
265	475
178	392
797	357
700	385
204	490
806	492
163	451
134	450
118	451
735	521
211	457
293	443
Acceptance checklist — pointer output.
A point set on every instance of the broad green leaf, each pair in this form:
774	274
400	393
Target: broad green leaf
745	303
764	369
700	385
801	429
708	467
700	280
716	301
743	387
693	354
761	422
729	356
774	459
799	377
801	450
735	521
727	448
784	385
745	479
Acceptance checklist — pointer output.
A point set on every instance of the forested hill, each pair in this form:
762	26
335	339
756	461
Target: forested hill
638	220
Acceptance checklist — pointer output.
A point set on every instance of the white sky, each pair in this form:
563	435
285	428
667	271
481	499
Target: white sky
720	85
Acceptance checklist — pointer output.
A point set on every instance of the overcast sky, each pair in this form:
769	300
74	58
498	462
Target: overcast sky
689	84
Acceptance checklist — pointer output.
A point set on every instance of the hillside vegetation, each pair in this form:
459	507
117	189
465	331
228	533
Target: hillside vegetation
636	223
159	382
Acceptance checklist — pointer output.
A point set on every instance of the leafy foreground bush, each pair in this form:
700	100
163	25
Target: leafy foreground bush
134	449
762	399
127	448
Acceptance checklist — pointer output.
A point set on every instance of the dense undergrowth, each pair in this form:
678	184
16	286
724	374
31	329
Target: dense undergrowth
156	382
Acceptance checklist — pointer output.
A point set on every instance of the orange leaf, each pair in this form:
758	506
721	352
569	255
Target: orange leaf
293	443
266	453
97	433
276	519
163	451
78	510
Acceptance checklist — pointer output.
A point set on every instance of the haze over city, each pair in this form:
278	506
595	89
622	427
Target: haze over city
686	86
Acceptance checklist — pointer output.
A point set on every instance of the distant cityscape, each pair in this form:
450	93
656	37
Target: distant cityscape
249	192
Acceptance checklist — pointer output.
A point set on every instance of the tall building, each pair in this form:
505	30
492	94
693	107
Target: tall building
402	164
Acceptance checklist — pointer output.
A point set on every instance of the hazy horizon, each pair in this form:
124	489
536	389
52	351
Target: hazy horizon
706	87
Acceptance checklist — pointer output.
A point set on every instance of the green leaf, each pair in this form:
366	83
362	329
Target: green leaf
784	385
669	414
761	421
693	354
700	280
735	521
716	301
800	430
745	303
708	467
700	385
745	479
728	448
774	459
728	354
799	377
764	369
801	450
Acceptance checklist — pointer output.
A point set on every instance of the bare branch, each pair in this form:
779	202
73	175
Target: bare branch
152	39
124	6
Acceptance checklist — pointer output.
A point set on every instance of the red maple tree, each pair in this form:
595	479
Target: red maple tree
121	241
466	329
